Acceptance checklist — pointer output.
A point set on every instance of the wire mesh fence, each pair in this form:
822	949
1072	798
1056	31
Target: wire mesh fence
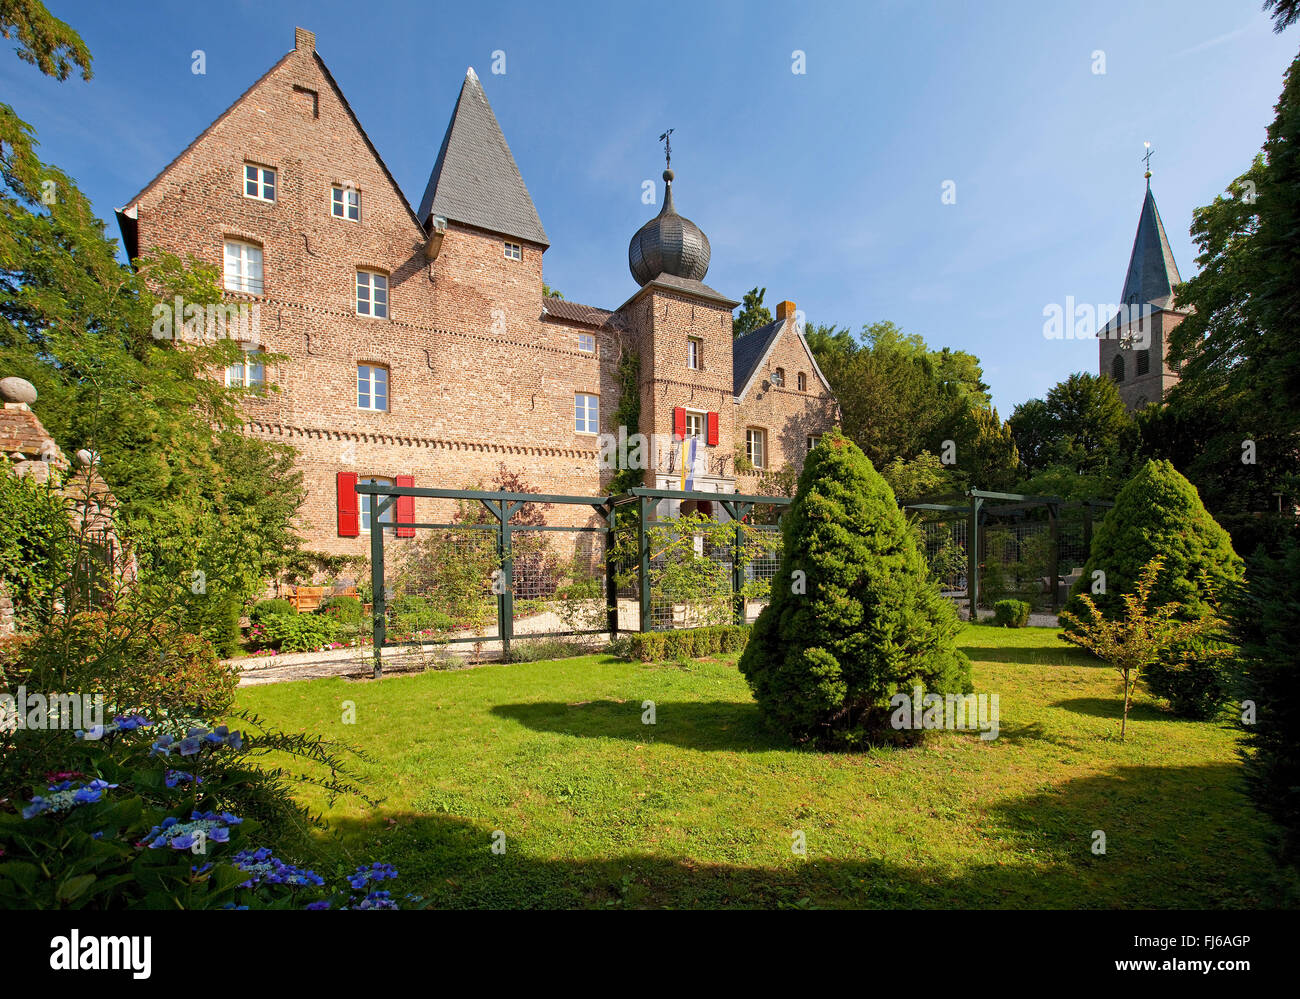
995	546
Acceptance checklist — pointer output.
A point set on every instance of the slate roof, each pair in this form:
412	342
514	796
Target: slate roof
475	180
586	315
748	351
1152	273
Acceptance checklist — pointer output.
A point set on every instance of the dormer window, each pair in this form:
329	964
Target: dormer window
514	251
259	182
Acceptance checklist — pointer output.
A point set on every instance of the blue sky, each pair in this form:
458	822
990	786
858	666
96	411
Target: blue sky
824	187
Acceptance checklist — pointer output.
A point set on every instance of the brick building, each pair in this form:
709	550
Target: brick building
420	346
1133	348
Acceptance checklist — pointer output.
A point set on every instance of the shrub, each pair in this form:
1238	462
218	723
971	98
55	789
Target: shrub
1265	620
269	608
1011	613
1159	513
299	632
536	650
411	614
135	664
37	546
855	617
345	610
683	643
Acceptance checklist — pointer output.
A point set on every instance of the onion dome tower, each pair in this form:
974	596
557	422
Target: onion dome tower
668	243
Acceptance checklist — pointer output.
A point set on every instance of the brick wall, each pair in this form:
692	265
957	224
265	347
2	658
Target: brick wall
787	415
478	377
1138	390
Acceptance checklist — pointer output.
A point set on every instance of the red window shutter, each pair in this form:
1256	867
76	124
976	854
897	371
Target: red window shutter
349	505
713	430
405	508
679	422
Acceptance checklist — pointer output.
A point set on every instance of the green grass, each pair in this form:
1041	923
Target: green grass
700	809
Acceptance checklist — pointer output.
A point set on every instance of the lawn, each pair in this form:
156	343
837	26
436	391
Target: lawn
702	808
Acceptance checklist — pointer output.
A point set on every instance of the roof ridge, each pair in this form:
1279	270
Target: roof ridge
329	78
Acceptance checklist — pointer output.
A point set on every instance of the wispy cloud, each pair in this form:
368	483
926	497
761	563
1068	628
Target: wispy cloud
1213	42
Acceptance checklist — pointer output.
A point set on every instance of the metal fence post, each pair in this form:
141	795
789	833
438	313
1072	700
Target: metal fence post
378	504
737	566
611	580
643	559
973	557
1054	573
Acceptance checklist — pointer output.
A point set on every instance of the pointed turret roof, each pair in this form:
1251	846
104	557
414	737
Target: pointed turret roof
1152	273
475	180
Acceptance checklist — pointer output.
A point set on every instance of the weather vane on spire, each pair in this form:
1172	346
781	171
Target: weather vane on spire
1147	157
668	149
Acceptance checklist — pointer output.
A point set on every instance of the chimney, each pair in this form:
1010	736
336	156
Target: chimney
784	310
304	40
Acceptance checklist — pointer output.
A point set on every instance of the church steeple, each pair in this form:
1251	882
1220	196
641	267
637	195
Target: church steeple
1152	273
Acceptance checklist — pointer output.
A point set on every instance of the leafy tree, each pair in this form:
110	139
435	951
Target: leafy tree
854	617
207	509
43	40
1081	429
1265	619
1237	351
1034	432
549	292
1285	13
925	475
753	314
1158	513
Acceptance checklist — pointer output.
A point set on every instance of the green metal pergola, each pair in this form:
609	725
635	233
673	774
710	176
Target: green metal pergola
503	505
976	509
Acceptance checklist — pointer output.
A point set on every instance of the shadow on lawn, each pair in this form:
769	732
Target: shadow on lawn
1176	837
703	725
1113	707
1066	655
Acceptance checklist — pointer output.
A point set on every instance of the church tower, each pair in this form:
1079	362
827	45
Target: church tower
1133	347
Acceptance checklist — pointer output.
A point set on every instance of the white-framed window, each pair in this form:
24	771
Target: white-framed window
259	182
694	353
385	518
695	424
345	203
514	251
778	377
587	343
243	269
372	294
802	382
813	441
586	413
372	387
250	372
756	447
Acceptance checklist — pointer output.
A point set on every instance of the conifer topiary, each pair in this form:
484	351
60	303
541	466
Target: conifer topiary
1158	512
854	617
